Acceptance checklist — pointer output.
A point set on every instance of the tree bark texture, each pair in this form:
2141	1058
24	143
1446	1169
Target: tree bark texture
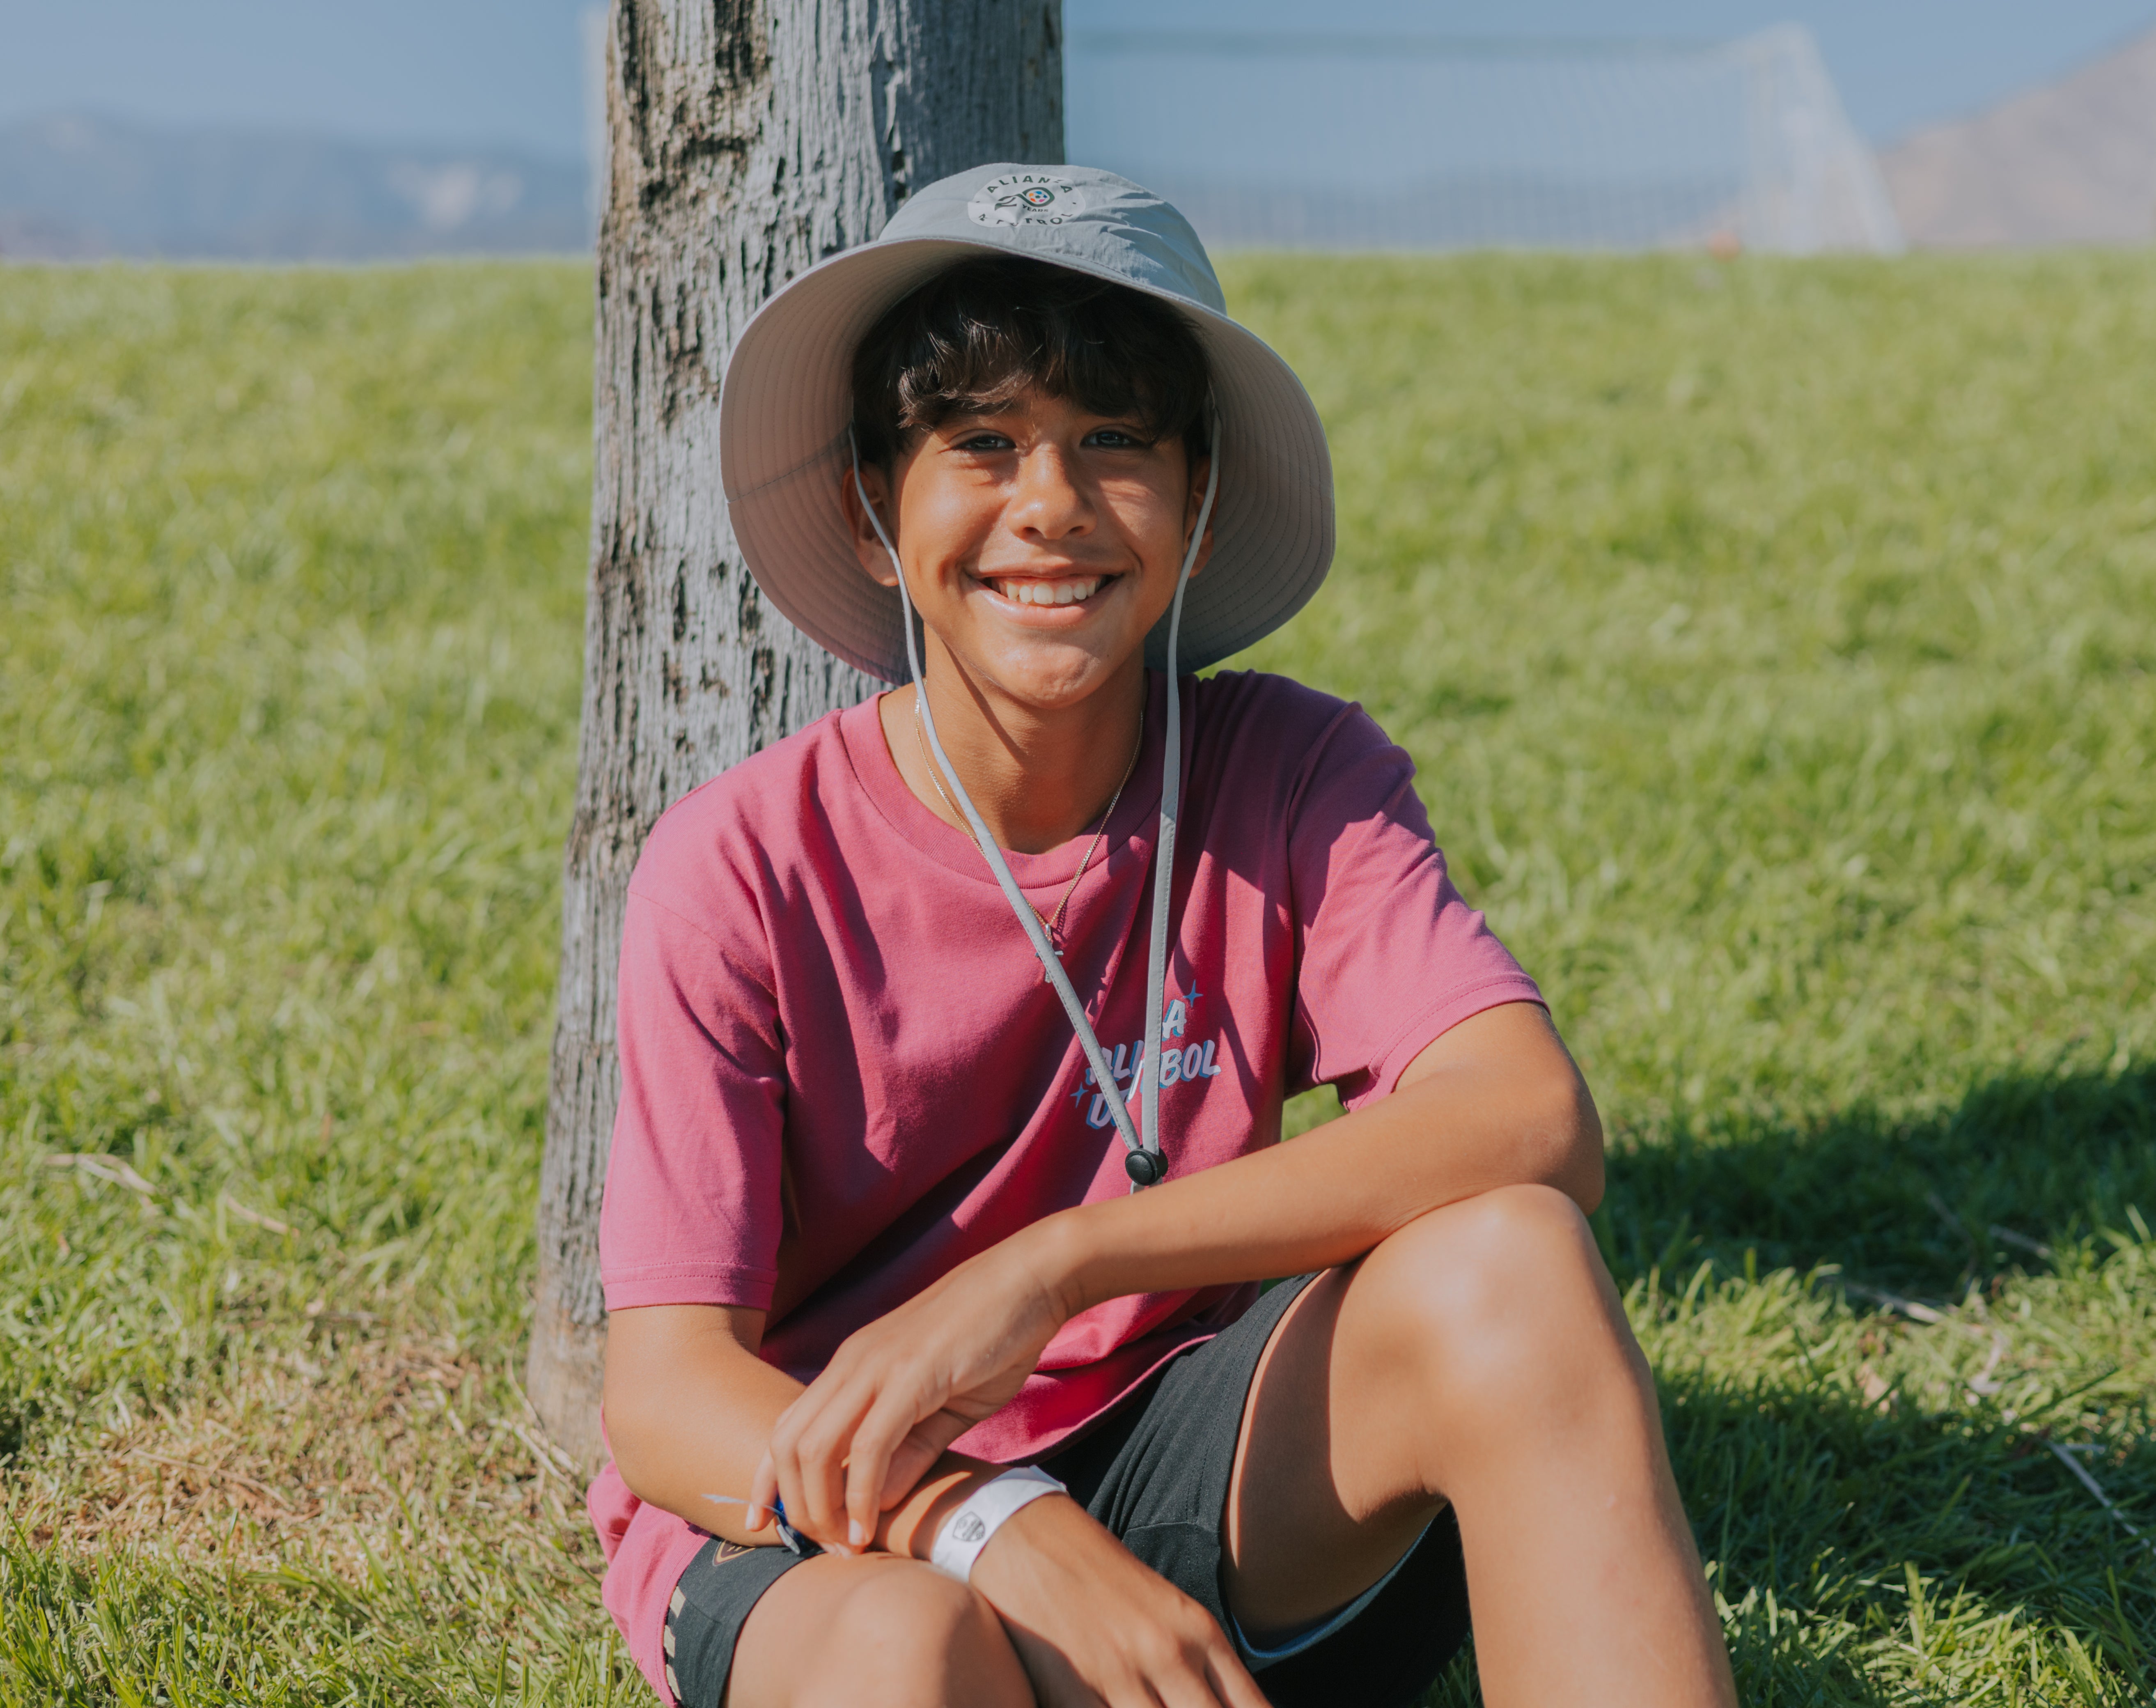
748	140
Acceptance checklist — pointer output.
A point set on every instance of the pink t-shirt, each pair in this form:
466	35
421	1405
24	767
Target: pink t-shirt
843	1072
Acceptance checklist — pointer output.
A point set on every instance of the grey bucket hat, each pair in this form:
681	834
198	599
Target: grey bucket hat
786	402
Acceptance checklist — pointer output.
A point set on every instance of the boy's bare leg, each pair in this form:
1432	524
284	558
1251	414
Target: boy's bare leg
1480	1355
839	1632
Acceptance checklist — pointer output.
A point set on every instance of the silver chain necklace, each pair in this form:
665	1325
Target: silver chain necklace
1054	921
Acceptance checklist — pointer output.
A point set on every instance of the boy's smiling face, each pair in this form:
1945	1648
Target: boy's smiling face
1040	541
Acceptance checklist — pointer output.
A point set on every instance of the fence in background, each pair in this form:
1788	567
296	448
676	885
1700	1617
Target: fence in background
1339	141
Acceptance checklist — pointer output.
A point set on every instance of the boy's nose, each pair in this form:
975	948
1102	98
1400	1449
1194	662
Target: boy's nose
1050	503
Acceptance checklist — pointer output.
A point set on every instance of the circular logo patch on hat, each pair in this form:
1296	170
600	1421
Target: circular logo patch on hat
1025	199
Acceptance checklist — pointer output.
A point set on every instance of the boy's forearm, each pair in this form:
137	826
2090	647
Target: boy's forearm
691	1409
1333	1194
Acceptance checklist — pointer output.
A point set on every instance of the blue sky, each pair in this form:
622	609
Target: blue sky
508	70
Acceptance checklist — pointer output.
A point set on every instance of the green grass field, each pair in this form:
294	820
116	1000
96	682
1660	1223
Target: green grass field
1778	644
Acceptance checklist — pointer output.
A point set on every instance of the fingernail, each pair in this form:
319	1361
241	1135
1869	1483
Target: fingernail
857	1533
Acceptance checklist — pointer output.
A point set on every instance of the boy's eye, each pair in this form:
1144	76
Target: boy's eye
986	440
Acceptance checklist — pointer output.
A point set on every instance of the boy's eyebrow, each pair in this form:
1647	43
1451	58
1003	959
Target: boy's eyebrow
1132	417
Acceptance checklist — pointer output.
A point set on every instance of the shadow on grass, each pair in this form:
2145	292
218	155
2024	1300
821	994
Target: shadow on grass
1852	1514
1877	1557
1872	1528
2052	1161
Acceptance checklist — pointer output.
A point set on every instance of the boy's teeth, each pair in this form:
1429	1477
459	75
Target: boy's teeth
1049	593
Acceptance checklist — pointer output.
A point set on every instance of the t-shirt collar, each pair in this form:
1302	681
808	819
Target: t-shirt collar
1136	820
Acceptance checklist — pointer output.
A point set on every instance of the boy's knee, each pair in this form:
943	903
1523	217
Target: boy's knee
905	1634
1498	1291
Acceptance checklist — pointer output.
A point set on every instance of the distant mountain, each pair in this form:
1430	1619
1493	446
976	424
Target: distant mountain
2072	162
76	189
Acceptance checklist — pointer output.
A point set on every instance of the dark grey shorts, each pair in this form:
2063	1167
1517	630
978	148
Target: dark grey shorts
1157	1475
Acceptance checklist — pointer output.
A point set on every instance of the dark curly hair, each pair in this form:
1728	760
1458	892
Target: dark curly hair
972	339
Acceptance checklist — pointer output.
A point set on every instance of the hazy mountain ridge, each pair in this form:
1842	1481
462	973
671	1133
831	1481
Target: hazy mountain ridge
75	187
2070	162
2073	160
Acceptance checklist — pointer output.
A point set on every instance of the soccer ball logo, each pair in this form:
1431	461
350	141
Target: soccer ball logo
1025	199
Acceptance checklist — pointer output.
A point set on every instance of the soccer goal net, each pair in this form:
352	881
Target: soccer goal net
1331	141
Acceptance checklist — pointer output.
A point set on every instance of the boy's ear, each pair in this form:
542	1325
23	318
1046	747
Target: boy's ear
875	562
1200	468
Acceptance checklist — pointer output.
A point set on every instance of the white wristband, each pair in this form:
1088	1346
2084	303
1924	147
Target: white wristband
982	1514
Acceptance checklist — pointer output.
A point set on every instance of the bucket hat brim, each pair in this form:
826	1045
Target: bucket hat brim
786	402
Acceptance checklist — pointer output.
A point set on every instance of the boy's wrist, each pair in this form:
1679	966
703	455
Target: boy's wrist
1044	1541
1058	1250
910	1527
956	1541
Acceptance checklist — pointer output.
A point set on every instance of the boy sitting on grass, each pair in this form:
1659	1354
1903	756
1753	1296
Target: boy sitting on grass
954	1035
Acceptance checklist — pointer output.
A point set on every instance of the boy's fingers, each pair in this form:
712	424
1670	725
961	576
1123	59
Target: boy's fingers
794	1493
1212	1679
816	1498
824	1448
1232	1682
861	1475
785	1456
800	1446
785	1483
868	1466
914	1456
762	1490
1187	1690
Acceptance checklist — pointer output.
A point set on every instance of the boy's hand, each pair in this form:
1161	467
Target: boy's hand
1093	1626
900	1391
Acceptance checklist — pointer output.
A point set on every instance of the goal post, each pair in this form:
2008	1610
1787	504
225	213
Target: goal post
1346	141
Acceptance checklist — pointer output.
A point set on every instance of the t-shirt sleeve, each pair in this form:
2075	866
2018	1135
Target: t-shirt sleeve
1389	955
692	1212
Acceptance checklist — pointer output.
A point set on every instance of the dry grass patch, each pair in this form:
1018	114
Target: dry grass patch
346	1449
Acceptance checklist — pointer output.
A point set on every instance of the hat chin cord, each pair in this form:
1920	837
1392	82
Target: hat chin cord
1142	1161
